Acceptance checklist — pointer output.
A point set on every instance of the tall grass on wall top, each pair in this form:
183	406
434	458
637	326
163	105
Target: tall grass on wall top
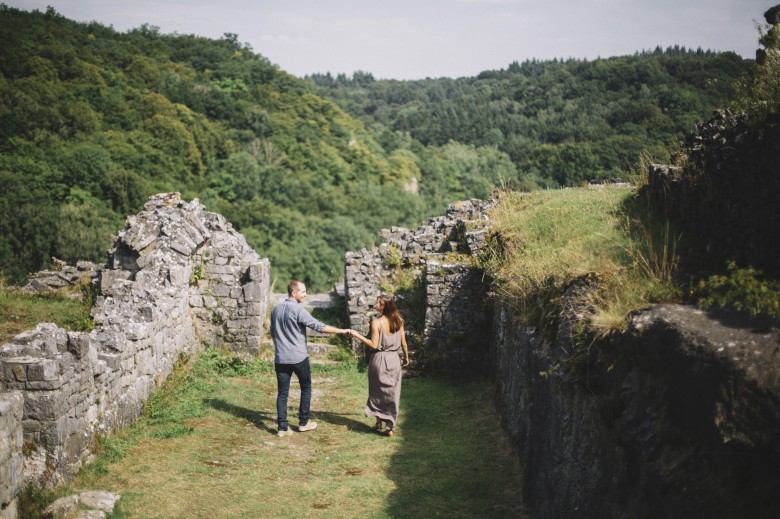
554	238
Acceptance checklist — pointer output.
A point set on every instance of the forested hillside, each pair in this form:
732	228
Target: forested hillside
92	121
561	122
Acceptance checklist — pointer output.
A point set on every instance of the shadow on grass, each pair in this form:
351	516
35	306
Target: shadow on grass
267	422
340	419
455	460
259	419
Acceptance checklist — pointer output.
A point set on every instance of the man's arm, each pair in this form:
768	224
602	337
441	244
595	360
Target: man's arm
309	321
332	329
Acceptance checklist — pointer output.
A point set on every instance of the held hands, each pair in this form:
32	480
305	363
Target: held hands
357	335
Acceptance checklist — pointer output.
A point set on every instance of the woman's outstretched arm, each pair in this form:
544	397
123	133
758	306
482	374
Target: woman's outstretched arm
372	343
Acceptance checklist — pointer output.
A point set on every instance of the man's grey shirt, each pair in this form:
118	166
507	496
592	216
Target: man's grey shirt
289	321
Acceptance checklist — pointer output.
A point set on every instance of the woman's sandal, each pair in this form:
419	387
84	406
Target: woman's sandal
389	433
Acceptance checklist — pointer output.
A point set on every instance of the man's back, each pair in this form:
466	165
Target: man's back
289	321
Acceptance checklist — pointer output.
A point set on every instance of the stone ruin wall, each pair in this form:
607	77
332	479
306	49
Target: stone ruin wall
677	417
177	277
440	253
65	277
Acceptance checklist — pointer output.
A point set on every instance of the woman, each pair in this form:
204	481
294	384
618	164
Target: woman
384	364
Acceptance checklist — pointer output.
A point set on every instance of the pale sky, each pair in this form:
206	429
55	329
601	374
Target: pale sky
415	39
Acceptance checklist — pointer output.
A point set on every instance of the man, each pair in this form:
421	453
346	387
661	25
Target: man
289	320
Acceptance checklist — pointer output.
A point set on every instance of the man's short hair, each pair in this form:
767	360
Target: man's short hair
292	286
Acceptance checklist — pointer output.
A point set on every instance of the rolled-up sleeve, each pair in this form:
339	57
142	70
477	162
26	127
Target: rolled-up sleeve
289	321
307	320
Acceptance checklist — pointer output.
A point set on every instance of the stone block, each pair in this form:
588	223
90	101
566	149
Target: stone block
111	276
220	290
64	507
235	325
18	372
182	246
78	344
136	331
179	275
255	272
112	360
128	365
253	292
10	480
42	369
255	327
145	362
43	385
195	235
141	235
12	405
253	309
100	500
42	405
113	340
215	271
98	366
46	338
146	312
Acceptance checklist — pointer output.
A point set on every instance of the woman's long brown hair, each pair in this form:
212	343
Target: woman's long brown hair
391	312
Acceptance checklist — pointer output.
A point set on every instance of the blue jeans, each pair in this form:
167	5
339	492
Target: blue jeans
284	373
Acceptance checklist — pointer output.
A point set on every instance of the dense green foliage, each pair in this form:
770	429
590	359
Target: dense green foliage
561	122
93	121
758	95
743	289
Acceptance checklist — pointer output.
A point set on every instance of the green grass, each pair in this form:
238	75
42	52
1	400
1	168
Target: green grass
22	311
549	239
206	447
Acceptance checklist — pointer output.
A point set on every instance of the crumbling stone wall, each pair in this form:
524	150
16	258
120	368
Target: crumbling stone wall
11	412
678	417
724	198
177	277
64	277
437	252
457	316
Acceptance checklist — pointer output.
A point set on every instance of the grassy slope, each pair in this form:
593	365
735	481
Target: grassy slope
552	238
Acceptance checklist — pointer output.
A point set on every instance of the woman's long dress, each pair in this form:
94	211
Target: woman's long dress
384	379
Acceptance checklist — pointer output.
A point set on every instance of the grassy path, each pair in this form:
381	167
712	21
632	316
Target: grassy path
206	447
